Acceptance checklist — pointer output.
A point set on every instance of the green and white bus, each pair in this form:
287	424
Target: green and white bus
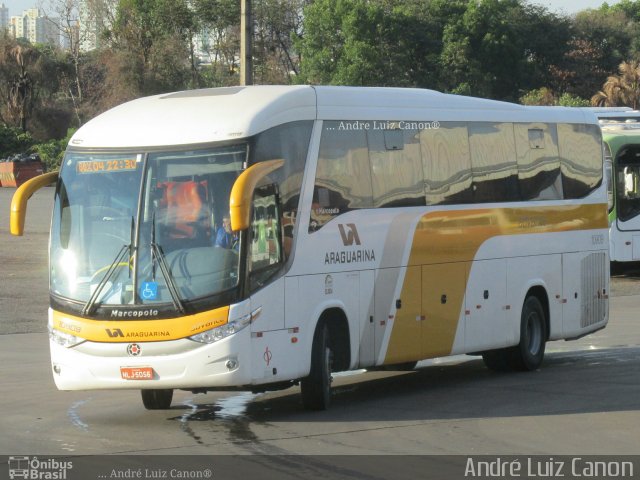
621	137
371	227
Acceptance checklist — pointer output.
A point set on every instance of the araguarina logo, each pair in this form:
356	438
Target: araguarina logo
350	236
113	333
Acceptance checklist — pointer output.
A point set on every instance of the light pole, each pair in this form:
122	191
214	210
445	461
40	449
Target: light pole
246	35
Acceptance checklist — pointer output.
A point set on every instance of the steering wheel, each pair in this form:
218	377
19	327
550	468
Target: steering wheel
96	275
110	214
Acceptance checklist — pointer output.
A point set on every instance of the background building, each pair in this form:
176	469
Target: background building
36	28
94	19
4	17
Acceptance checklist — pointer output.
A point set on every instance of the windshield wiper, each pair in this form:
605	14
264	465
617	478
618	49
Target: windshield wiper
158	255
88	307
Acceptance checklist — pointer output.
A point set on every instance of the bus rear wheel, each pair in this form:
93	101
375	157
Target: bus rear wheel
157	399
316	388
529	353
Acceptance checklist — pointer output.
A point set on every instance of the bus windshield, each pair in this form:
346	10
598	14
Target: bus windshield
143	228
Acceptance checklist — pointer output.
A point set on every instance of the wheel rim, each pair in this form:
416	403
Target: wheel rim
534	333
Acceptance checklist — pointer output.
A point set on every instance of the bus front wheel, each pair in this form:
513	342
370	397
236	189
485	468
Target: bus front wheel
316	388
157	399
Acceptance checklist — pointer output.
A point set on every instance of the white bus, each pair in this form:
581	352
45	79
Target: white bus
369	227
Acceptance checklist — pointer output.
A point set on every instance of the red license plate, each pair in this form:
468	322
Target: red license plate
136	373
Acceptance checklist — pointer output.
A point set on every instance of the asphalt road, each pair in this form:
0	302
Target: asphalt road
584	400
24	275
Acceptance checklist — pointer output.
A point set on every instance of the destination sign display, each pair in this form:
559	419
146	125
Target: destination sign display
103	166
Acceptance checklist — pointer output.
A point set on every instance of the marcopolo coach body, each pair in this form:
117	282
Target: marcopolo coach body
257	237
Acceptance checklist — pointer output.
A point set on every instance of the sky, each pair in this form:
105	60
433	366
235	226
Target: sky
562	6
570	6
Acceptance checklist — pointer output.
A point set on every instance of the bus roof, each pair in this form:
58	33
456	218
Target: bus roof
195	117
618	134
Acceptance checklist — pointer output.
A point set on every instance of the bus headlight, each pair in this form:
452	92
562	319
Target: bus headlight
217	334
64	339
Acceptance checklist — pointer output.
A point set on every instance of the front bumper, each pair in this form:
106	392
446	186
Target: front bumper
176	364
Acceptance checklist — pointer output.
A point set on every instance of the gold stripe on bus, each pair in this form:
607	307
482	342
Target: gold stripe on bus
444	245
114	331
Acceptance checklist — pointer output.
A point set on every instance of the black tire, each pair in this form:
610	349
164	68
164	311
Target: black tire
157	399
498	360
533	336
529	352
316	388
616	268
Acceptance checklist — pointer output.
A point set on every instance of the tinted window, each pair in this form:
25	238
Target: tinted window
396	166
581	157
265	252
493	162
447	164
538	161
343	178
291	143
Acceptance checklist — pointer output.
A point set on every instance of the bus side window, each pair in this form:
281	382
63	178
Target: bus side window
493	162
397	173
343	176
446	164
538	161
265	251
581	157
289	142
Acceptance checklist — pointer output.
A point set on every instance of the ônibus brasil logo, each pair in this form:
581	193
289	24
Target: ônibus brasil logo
36	469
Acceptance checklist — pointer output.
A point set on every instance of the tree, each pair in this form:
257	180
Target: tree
580	70
416	32
545	96
63	14
499	48
218	40
620	90
13	140
568	100
382	43
545	36
30	98
52	151
277	23
18	89
539	96
623	29
340	43
152	39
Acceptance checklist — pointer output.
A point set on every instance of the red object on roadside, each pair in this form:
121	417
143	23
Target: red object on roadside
14	174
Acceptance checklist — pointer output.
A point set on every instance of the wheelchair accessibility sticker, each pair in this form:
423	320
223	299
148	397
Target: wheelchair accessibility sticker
149	291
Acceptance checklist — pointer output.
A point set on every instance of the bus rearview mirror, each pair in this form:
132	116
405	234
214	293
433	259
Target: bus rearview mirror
242	192
22	196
